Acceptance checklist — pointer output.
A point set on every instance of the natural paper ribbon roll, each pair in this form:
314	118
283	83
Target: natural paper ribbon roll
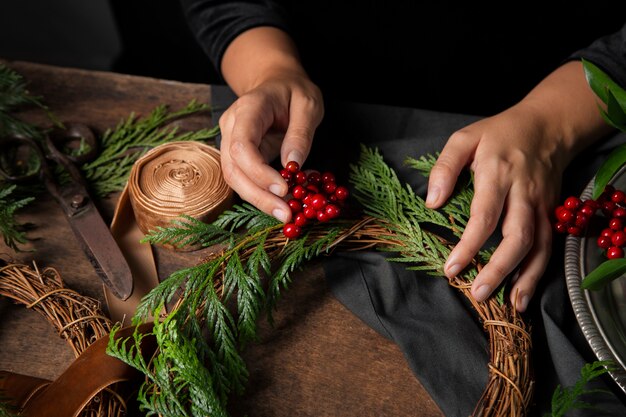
174	179
170	180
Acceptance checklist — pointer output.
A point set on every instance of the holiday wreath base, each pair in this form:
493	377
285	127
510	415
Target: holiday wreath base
222	297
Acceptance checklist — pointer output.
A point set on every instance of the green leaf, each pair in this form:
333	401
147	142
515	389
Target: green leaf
615	112
608	169
601	84
604	273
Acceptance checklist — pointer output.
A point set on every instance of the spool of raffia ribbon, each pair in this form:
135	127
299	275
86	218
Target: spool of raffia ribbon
168	181
175	179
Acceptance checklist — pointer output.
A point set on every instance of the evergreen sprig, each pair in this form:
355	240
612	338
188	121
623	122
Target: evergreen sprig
12	231
181	379
223	296
14	95
132	138
404	213
565	399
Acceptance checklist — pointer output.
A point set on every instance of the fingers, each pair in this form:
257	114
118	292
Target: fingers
305	114
255	128
534	266
453	158
245	170
518	233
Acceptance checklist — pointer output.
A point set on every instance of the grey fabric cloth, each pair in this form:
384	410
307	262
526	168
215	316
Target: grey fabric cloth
431	322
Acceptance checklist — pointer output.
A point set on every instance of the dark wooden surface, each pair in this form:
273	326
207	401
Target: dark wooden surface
317	360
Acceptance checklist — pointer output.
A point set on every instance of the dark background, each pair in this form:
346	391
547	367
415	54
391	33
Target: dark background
368	51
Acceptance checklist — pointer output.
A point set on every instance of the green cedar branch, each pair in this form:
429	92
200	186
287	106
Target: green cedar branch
132	138
565	399
12	231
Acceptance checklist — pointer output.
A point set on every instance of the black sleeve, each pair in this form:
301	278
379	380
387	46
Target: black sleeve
608	53
216	23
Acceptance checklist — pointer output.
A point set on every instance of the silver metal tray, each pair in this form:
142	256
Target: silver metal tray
601	314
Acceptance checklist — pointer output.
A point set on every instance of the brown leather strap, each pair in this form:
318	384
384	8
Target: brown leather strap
89	374
17	389
170	180
139	257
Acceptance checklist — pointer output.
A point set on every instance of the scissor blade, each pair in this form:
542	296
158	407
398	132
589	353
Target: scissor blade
102	250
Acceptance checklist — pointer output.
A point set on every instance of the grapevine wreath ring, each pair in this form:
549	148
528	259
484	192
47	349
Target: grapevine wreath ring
510	383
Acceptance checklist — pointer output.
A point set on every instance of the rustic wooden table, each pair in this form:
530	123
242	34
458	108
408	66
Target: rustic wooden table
317	360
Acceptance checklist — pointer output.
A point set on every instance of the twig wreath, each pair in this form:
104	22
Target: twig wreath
193	375
77	318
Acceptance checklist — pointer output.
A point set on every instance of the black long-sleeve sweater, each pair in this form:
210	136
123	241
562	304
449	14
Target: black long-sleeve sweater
444	55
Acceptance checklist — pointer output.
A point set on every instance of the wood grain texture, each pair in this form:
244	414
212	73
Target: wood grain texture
318	359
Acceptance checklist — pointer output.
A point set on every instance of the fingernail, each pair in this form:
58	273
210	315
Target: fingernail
453	270
280	214
432	196
295	156
482	292
523	304
276	189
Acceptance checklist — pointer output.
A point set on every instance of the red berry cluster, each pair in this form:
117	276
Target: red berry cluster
574	215
314	196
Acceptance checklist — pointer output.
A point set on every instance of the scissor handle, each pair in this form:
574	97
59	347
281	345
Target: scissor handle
17	141
75	134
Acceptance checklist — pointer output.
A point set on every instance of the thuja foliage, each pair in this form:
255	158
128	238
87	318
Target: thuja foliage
224	295
14	96
565	399
404	213
132	138
12	231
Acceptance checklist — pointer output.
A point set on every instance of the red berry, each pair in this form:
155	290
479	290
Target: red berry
604	242
560	227
291	231
286	174
574	230
616	224
581	220
565	215
308	198
332	211
587	210
618	238
619	212
572	203
614	252
618	196
300	220
322	216
314	178
318	201
342	193
295	205
607	207
329	187
292	166
300	177
332	198
608	232
309	212
313	188
591	203
299	192
328	177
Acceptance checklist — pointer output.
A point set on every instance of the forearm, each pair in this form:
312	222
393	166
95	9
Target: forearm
568	109
257	55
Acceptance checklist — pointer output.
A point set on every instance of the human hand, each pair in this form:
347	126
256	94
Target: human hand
279	114
517	165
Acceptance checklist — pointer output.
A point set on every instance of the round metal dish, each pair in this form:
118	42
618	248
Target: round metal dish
601	314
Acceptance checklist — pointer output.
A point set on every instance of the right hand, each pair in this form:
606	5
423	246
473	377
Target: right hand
279	114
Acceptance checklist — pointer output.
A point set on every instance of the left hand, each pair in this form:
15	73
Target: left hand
517	165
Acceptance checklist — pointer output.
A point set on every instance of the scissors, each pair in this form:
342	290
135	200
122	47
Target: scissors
29	162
